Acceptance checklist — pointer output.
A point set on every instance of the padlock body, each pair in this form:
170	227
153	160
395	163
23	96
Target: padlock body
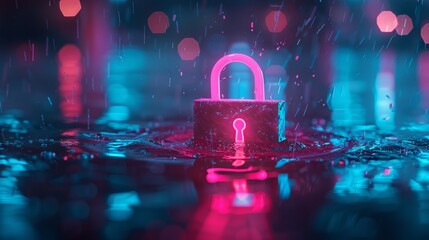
213	121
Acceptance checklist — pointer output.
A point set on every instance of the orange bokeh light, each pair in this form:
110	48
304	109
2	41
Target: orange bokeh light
188	49
405	25
158	22
70	8
275	21
425	33
387	21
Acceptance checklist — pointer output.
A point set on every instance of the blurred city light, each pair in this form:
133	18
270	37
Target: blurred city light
352	89
158	22
70	85
423	75
70	8
188	49
385	92
124	80
275	21
425	33
405	25
386	21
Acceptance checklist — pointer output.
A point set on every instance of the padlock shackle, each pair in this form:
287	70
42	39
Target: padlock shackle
241	58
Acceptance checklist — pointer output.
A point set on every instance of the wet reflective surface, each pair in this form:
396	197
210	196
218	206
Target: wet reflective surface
133	181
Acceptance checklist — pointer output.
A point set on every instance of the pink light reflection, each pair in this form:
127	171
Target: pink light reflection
405	25
214	175
386	21
241	201
241	58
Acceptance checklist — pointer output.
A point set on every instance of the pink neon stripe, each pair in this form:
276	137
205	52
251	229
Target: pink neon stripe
241	58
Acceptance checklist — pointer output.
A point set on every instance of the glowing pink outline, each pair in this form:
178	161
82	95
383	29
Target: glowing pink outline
236	130
241	58
213	176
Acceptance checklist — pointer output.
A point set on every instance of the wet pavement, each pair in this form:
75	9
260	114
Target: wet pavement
134	181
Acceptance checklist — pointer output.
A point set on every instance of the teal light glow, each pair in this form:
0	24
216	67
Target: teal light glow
116	154
385	93
117	93
118	113
352	88
241	80
282	162
13	223
120	205
125	78
284	186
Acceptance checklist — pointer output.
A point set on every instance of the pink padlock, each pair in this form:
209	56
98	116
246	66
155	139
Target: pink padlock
228	121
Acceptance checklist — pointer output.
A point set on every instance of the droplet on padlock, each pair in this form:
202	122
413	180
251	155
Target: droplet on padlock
239	125
213	117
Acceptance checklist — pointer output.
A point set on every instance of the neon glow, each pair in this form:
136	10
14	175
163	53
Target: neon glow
241	58
386	21
70	8
239	125
238	163
284	186
242	197
250	173
158	22
241	201
120	205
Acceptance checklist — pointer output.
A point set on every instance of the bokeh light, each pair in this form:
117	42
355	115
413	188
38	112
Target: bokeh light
188	49
69	55
70	8
405	25
70	85
158	22
387	21
275	21
425	33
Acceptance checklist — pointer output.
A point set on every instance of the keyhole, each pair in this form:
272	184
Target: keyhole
239	125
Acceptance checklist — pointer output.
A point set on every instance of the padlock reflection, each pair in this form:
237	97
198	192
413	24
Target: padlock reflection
235	203
261	121
248	199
